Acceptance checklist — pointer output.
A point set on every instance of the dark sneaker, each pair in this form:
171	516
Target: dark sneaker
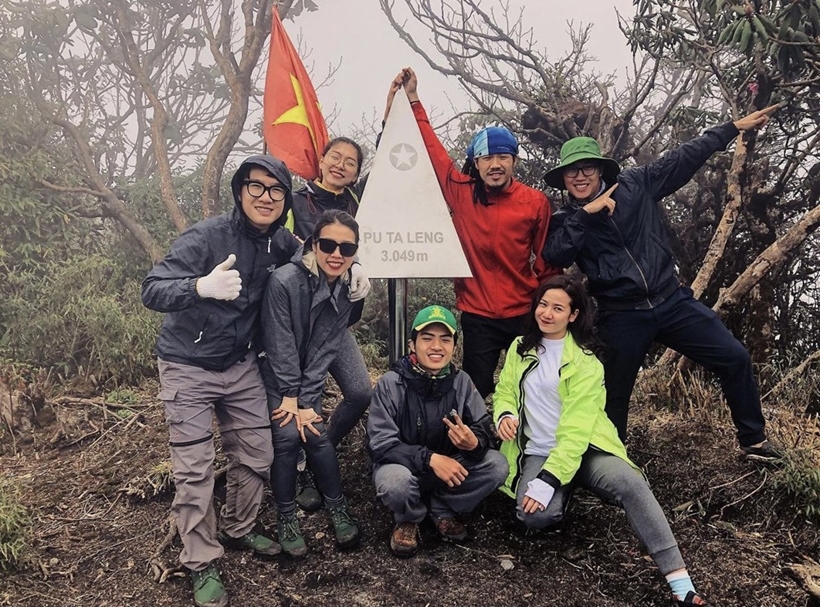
404	541
344	527
308	497
290	536
209	591
765	452
451	530
692	600
262	546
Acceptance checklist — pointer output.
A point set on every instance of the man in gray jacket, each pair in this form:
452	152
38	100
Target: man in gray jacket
210	286
429	435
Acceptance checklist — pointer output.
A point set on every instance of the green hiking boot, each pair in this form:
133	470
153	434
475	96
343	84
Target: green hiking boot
261	546
290	537
308	497
209	591
344	527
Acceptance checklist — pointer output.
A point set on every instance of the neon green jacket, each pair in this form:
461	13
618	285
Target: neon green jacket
582	423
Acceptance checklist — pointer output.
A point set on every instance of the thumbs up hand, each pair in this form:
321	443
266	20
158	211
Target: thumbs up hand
222	283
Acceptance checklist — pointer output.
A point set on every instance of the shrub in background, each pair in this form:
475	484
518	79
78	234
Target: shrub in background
83	317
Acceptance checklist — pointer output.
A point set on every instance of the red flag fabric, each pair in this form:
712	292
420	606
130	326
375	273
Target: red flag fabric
294	129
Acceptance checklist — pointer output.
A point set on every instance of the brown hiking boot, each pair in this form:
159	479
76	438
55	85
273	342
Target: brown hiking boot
451	530
404	541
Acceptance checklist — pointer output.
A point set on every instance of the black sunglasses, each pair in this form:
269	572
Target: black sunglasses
347	249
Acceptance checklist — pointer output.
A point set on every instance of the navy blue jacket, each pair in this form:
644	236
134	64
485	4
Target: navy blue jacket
210	333
627	257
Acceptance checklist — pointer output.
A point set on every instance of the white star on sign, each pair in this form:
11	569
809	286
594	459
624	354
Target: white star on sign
403	156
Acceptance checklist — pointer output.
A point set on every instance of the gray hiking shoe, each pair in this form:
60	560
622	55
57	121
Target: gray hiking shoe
765	452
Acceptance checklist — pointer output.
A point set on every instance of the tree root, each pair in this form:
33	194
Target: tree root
159	568
808	574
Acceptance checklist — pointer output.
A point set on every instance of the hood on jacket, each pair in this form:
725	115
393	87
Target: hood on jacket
275	167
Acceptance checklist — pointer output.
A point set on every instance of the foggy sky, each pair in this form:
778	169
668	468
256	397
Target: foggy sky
371	53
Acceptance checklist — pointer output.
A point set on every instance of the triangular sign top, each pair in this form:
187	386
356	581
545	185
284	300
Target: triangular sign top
404	223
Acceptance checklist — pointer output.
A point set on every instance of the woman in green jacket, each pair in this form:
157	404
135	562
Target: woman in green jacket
549	411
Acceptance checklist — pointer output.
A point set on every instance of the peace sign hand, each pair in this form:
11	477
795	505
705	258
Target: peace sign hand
459	434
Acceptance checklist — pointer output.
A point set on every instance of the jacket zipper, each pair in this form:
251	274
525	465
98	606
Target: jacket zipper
269	238
632	257
519	461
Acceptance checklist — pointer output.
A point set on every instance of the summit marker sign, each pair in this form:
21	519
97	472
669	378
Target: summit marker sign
404	223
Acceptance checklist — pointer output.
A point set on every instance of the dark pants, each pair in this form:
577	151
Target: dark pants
687	326
321	457
484	340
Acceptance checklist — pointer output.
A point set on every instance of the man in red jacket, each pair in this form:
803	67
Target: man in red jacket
502	225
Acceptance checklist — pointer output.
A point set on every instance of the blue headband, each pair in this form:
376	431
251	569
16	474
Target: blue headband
492	140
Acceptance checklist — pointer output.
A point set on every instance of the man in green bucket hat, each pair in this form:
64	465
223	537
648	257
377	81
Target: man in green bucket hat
613	228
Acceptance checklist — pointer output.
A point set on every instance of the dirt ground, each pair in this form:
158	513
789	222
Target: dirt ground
94	475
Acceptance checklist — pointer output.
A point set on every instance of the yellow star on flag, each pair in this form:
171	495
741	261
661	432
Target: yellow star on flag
298	113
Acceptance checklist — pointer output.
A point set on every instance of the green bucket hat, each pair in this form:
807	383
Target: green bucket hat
575	150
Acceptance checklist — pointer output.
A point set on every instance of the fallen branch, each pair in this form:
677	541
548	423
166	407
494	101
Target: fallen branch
791	375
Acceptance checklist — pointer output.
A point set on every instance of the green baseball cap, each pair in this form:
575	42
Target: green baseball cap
575	150
435	314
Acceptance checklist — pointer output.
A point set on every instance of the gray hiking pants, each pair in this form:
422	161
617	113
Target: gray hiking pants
613	480
412	497
236	396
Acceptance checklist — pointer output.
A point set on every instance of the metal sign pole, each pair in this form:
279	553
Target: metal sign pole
397	304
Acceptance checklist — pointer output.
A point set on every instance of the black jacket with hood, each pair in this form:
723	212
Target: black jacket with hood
210	333
627	257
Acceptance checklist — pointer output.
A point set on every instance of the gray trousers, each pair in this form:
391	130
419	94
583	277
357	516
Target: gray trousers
412	497
350	372
236	396
612	479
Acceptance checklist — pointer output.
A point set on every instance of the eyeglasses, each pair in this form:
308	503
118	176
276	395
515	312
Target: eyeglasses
328	246
335	158
588	171
256	189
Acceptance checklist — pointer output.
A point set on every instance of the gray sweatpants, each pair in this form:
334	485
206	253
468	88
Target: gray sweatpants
236	396
405	493
614	480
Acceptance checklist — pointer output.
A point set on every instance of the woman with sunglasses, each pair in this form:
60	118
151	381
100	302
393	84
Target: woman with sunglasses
304	321
549	411
338	187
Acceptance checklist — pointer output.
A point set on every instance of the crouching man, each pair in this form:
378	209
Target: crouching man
429	435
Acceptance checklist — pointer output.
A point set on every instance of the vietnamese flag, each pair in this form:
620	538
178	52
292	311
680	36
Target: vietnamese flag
294	127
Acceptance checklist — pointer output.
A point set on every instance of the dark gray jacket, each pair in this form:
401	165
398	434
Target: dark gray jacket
210	333
404	425
627	257
303	320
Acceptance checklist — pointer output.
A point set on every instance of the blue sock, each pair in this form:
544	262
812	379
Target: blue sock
680	584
